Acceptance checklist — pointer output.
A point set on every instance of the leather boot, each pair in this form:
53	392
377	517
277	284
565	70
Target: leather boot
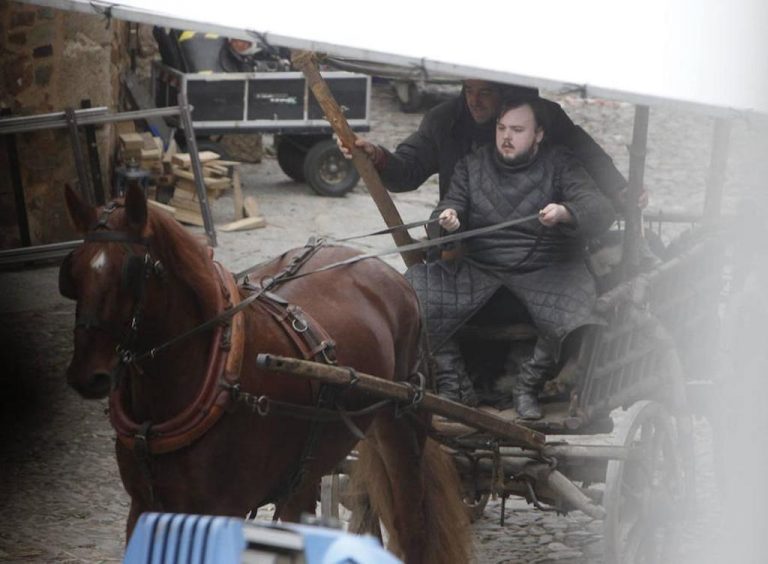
451	377
533	373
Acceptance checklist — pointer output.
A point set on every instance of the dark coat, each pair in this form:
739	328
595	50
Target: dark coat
448	133
543	267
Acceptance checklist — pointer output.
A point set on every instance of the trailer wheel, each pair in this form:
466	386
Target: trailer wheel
290	157
327	171
645	495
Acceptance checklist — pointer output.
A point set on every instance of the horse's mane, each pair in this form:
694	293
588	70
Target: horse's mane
186	257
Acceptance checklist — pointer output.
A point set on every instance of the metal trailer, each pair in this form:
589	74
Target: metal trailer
277	103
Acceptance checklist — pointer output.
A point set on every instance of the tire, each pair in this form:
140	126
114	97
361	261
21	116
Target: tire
290	157
328	172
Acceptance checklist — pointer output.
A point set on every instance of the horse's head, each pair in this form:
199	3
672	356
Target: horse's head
115	278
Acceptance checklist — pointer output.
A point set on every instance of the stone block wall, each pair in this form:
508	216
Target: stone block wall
51	60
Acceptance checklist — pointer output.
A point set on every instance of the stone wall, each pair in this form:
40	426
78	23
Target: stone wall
51	60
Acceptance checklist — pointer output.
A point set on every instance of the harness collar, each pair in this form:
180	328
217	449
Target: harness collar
224	364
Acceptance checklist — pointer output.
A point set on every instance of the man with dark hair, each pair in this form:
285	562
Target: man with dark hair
456	127
540	261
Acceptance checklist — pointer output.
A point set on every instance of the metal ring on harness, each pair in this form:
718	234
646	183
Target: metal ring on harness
299	324
418	396
354	378
262	405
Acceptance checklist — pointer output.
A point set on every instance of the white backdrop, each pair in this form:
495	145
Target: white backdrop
695	52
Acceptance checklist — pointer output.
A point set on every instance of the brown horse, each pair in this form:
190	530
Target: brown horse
186	443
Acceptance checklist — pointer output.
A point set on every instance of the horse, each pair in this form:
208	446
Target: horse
199	429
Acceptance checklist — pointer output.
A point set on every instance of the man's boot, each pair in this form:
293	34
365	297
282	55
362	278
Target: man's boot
533	373
451	377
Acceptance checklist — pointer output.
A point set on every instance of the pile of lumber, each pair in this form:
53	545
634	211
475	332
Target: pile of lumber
172	172
218	177
144	150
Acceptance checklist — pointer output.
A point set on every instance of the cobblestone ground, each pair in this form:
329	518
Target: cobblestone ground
60	494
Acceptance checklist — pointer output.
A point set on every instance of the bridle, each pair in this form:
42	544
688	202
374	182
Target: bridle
136	272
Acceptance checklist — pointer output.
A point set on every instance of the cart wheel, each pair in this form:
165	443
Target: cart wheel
476	507
327	171
290	157
646	495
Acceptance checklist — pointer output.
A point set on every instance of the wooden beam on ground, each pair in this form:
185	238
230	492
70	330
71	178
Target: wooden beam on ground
244	224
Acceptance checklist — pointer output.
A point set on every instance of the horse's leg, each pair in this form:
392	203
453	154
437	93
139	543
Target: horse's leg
303	500
134	512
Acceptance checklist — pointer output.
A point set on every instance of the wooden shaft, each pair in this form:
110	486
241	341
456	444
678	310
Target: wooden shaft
402	392
306	62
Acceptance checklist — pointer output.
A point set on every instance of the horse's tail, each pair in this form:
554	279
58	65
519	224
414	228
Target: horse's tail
447	534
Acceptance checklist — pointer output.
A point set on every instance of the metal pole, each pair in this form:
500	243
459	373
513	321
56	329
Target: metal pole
77	151
18	187
197	169
633	214
718	164
84	117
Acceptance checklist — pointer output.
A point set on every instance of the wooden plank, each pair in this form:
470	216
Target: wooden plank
210	182
244	224
237	194
151	154
172	149
122	127
183	159
162	207
183	204
215	169
183	193
187	216
251	207
131	141
148	140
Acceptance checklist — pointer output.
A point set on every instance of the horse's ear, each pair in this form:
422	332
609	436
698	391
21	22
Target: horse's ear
136	206
83	214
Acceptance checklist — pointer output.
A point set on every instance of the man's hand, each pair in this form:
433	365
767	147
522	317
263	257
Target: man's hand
368	148
552	214
642	199
449	220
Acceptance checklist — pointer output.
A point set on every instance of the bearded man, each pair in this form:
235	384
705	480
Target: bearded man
541	262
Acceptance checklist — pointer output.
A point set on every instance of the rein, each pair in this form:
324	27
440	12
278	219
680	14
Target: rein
293	274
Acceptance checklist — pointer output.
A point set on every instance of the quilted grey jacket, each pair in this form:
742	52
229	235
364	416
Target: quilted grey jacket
544	267
447	133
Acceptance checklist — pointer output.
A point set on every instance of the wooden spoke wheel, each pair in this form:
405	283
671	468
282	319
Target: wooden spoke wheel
476	506
646	495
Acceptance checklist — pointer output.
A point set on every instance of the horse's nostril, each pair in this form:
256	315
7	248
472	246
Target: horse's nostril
97	387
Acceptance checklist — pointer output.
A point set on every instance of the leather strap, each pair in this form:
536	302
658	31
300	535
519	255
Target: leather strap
310	338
